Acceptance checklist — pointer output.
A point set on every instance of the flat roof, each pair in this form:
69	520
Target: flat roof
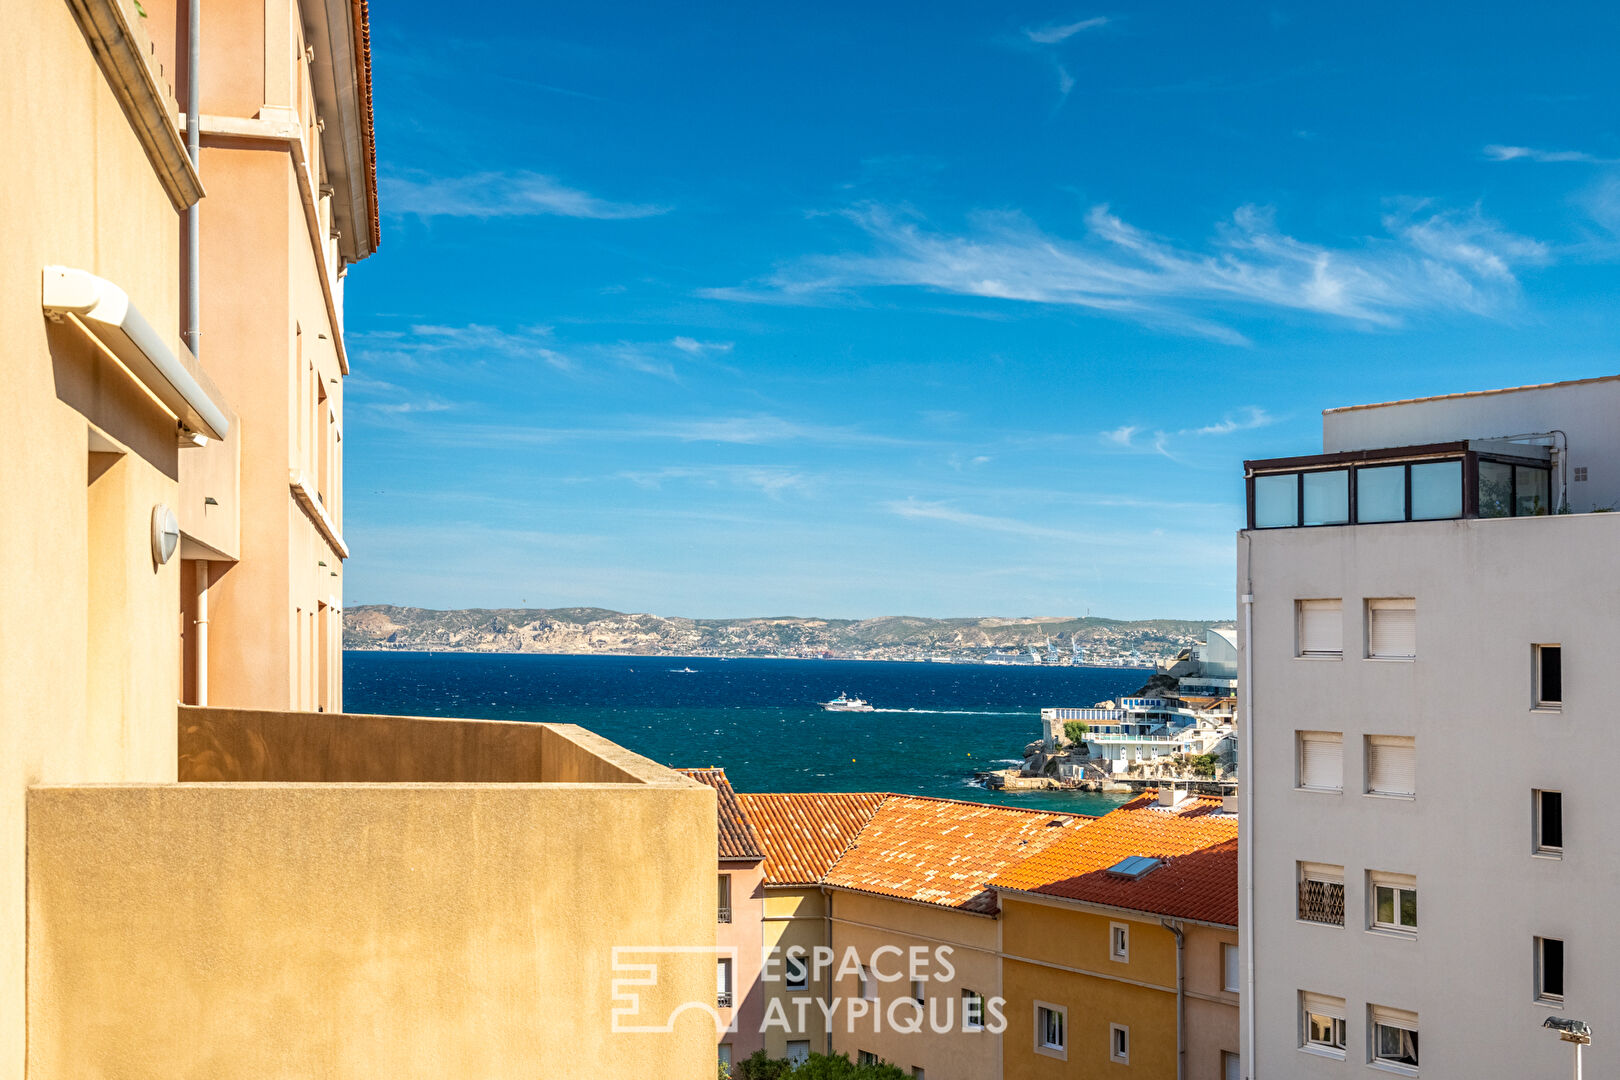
1473	393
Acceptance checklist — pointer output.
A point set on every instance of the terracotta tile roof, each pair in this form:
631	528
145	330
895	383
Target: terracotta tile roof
368	127
737	839
802	835
1198	881
941	851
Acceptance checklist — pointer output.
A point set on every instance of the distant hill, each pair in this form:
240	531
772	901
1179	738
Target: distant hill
598	630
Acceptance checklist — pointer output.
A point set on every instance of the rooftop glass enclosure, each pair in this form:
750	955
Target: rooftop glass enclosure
1409	483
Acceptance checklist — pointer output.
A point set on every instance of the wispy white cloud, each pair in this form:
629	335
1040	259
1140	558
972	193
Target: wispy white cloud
501	194
423	345
1244	419
923	510
1051	35
1122	435
1497	152
694	347
1427	261
772	481
1065	81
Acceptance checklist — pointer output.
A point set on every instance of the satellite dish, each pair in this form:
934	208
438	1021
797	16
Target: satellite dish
165	534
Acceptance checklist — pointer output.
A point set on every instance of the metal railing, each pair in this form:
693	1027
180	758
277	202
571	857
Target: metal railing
725	999
725	914
1322	902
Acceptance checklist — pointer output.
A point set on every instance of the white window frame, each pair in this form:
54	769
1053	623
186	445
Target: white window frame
1115	1054
1538	701
1379	879
1394	603
1542	997
1119	942
797	1055
1323	872
972	1018
1379	1016
1308	612
1231	967
1301	738
1370	741
1328	1008
1536	846
1059	1049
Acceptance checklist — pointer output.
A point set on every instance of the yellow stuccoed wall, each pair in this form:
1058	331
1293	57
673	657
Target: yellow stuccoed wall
475	941
795	918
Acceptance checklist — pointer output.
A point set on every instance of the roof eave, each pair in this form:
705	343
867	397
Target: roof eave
1112	909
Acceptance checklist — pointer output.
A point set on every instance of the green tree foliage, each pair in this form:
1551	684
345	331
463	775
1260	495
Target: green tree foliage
816	1067
1075	731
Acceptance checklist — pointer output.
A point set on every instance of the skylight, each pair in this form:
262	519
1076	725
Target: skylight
1134	866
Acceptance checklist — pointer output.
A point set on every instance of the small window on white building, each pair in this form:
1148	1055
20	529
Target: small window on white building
1549	676
1550	970
1119	1044
1231	967
1321	894
1392	629
1051	1029
1394	1037
1321	760
1322	1027
1393	899
798	1051
972	1010
795	972
1549	815
1320	627
1391	765
1119	942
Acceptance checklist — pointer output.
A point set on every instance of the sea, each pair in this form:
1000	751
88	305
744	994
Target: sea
933	725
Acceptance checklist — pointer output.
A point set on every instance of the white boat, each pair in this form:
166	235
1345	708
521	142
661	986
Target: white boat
841	703
682	671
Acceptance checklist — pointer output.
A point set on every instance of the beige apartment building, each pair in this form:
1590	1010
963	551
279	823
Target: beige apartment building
1428	606
255	883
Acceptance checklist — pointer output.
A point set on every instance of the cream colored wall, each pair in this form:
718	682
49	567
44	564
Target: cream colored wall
82	192
795	918
364	930
866	923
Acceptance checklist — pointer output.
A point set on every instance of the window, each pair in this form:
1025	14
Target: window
1321	760
1514	490
1119	942
868	985
725	898
1394	901
1322	1024
1394	1037
1051	1029
1436	490
1580	474
1320	627
1392	629
1119	1044
1276	501
725	1057
1549	815
1321	894
795	973
1381	493
1549	676
723	982
1391	765
798	1051
917	1073
1231	966
917	991
1550	970
1326	497
1231	1066
972	1010
865	1057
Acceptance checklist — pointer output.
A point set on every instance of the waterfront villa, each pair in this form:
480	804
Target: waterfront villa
1119	946
255	883
1428	601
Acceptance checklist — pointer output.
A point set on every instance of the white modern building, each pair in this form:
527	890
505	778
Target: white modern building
1427	870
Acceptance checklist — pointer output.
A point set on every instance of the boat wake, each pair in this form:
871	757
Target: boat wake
955	712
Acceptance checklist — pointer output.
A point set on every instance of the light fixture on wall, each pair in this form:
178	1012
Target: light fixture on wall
165	534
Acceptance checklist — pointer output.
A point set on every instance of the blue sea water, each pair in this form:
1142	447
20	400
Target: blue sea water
935	724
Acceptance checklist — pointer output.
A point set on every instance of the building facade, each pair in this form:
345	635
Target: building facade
1426	607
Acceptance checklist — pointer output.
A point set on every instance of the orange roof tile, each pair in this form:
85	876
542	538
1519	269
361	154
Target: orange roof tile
941	851
1199	879
737	840
803	834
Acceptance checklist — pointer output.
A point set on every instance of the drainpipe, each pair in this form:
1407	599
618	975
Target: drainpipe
827	906
1246	821
200	656
192	300
1181	997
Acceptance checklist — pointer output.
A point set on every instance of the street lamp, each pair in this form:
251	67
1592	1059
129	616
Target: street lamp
1571	1031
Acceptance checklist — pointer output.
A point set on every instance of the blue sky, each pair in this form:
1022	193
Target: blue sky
938	309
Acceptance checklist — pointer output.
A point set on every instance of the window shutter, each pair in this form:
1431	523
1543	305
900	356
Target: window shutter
1392	629
1321	628
1391	765
1322	1005
1321	760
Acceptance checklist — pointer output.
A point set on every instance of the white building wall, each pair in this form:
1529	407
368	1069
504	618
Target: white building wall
1486	590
